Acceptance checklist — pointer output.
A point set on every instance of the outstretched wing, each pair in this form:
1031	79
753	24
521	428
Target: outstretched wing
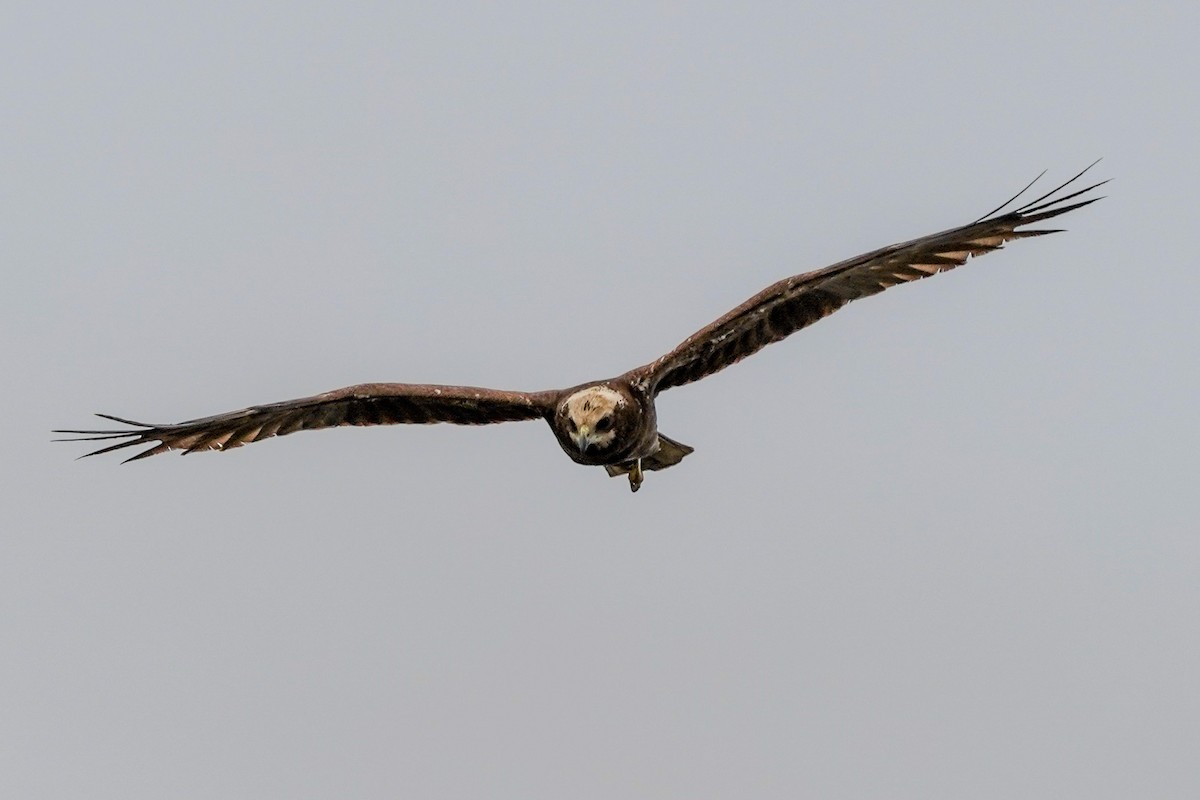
365	404
794	303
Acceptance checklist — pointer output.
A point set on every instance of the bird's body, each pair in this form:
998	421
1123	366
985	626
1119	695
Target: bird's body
612	423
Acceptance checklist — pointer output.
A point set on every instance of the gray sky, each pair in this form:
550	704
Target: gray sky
941	545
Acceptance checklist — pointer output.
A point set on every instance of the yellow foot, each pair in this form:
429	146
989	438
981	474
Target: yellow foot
635	476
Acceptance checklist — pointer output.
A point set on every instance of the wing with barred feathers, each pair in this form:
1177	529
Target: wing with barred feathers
365	404
797	302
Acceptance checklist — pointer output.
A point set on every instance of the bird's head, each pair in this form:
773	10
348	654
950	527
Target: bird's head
589	417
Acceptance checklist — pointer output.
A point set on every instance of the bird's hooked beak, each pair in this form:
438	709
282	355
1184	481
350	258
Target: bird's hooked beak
583	438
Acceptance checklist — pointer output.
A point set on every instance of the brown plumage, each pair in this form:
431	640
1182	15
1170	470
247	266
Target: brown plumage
612	423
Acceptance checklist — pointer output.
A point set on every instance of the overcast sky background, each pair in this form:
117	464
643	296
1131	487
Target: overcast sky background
943	544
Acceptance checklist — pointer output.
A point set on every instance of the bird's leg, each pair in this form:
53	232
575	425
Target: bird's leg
635	476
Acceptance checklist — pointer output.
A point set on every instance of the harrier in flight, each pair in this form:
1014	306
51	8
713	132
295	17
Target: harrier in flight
611	423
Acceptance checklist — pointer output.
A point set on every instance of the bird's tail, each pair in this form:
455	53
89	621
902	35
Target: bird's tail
669	453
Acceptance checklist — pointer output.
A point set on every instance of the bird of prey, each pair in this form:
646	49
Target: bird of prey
612	423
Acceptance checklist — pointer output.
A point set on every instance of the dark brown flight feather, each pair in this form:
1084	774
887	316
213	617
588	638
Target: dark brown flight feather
365	404
797	302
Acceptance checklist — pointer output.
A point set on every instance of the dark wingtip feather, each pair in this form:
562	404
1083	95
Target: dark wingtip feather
1048	200
138	435
125	421
1012	199
1032	209
1030	205
158	448
112	447
1049	210
93	436
1038	232
103	434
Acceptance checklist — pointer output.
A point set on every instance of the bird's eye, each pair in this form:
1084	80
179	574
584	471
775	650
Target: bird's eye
603	424
571	425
